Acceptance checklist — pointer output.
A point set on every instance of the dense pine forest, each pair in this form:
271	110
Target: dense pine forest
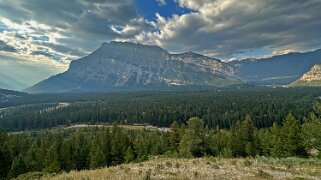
220	123
90	148
219	108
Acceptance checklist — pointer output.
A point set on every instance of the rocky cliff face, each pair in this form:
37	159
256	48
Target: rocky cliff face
313	75
124	64
311	78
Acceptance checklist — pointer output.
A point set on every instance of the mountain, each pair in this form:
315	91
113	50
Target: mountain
311	78
131	65
282	69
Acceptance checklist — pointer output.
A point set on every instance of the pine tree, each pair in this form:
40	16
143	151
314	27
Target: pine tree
97	158
18	167
52	164
66	153
33	158
192	142
291	137
5	161
276	141
118	146
311	134
248	137
243	138
174	136
141	148
129	156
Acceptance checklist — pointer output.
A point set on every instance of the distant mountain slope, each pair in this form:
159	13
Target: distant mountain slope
6	95
311	78
282	69
128	65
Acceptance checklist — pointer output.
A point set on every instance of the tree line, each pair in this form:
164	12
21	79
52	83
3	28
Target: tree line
219	108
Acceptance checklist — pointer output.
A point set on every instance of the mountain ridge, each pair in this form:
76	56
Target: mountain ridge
132	65
281	69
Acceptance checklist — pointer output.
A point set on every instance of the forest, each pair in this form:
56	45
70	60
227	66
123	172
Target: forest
219	108
220	123
95	147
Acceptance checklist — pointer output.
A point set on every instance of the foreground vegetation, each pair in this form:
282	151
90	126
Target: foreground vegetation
91	148
217	125
204	168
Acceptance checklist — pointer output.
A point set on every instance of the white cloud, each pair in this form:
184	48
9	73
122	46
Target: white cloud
161	2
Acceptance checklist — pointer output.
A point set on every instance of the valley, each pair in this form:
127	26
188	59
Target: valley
125	133
160	89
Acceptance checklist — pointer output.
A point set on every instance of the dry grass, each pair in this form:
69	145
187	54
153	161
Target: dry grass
203	168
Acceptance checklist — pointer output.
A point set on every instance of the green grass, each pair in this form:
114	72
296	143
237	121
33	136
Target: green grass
303	83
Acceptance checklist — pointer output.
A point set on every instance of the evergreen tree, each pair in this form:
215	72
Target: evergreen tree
311	134
129	156
291	137
141	149
5	161
276	141
220	142
66	156
243	139
18	167
174	135
97	158
265	136
248	136
192	142
118	145
33	158
52	164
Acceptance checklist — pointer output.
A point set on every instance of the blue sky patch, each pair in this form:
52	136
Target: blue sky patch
149	8
252	53
3	27
40	38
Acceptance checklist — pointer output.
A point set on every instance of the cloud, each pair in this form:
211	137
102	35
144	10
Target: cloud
224	27
161	2
70	28
17	73
42	53
7	48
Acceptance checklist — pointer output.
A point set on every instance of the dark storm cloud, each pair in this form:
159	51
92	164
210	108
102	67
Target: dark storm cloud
6	47
215	27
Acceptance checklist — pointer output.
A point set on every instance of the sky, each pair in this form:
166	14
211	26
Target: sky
39	38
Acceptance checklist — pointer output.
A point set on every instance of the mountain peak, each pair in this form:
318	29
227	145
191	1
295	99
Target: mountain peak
191	53
132	45
130	65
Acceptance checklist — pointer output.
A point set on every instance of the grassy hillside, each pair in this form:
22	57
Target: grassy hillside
205	168
304	83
